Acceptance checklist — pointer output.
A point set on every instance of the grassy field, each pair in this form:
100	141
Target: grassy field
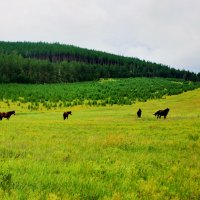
125	91
103	152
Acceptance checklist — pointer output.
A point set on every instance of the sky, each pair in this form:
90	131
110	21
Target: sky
161	31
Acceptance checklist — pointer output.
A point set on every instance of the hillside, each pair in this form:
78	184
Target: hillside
104	92
26	62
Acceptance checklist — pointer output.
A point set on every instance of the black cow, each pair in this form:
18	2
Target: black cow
160	113
139	113
65	114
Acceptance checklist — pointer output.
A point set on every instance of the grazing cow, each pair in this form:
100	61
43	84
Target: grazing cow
157	113
6	114
160	113
139	113
65	114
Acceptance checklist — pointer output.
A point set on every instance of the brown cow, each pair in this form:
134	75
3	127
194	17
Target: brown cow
6	114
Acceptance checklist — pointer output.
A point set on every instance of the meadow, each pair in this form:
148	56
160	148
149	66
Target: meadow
102	152
125	91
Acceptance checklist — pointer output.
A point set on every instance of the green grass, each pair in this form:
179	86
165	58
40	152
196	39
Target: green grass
124	91
103	152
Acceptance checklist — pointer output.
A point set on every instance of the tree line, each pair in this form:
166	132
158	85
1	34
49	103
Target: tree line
27	62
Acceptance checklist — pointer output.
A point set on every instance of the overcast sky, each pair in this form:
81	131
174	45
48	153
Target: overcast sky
162	31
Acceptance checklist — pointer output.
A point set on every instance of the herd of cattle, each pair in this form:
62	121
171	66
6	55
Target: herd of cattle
158	114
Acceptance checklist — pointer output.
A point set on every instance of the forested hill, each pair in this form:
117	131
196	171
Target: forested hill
27	62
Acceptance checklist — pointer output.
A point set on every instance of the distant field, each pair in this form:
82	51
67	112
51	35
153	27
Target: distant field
102	152
97	93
